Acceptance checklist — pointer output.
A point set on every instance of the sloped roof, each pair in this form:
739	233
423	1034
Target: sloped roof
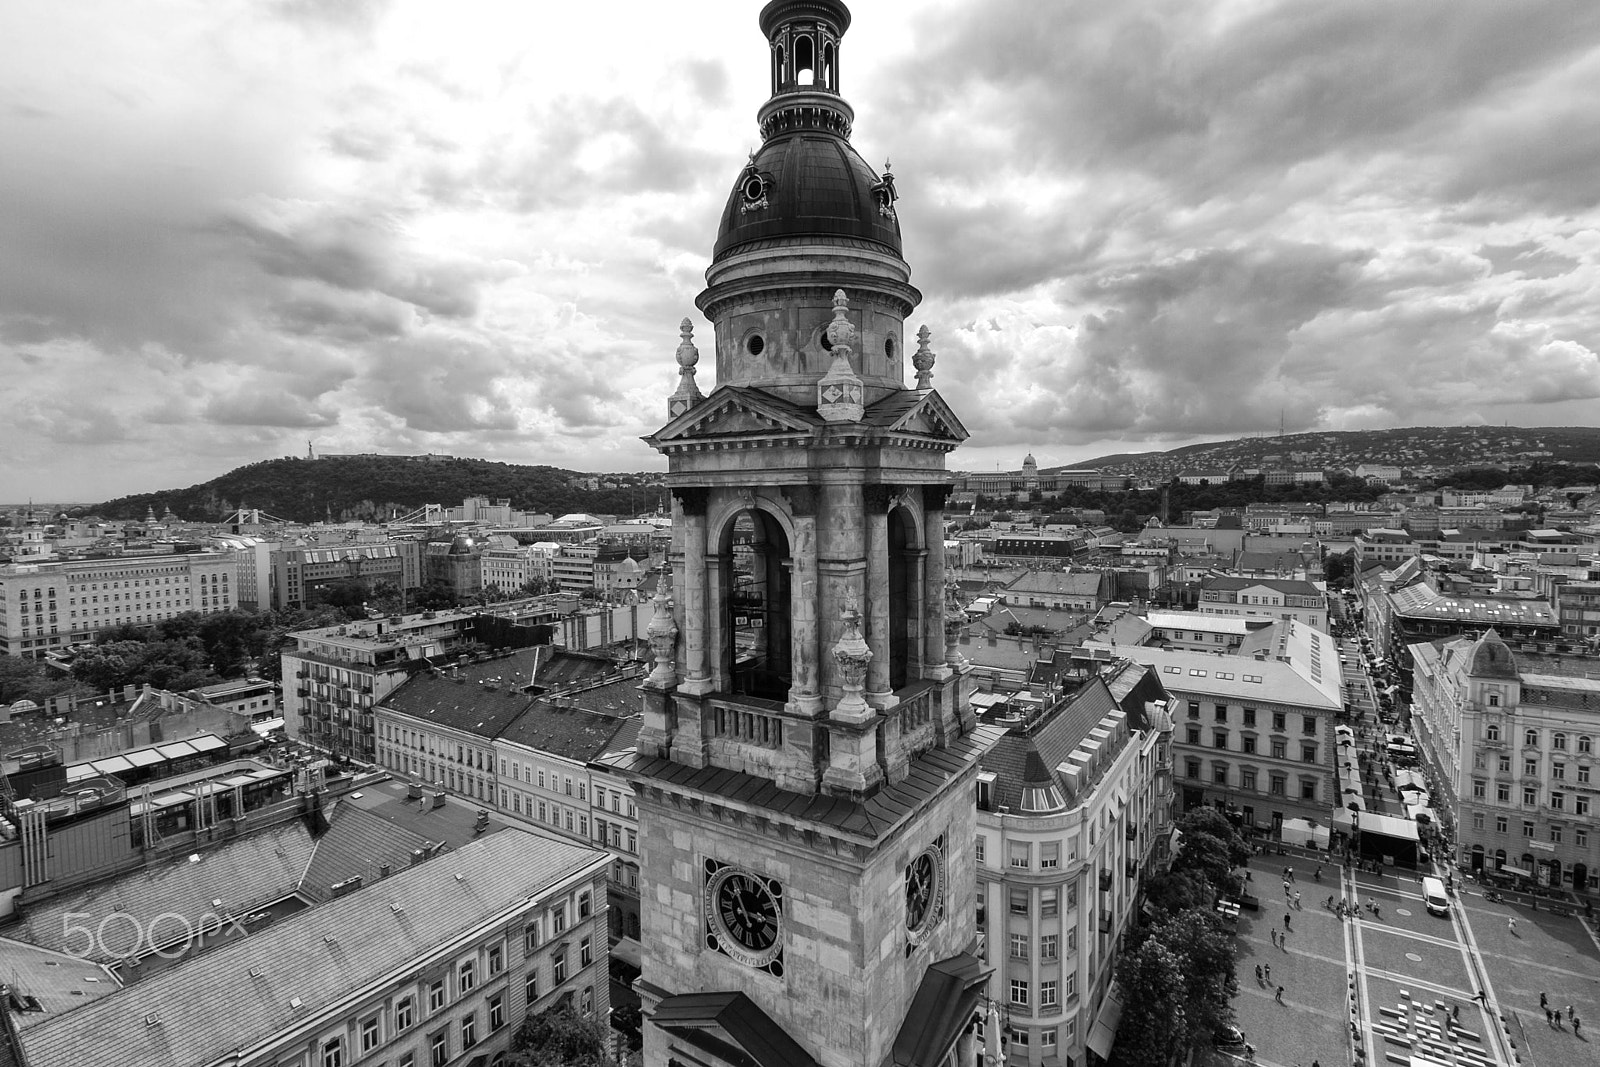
212	1005
1046	743
464	699
1057	583
1289	586
254	869
571	733
1491	658
357	842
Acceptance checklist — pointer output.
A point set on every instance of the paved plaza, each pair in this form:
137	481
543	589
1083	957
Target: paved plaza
1413	976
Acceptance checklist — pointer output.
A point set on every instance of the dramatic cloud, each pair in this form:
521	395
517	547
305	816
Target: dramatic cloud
232	229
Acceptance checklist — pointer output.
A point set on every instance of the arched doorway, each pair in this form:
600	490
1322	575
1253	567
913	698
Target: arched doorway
1499	858
756	657
1477	857
1580	877
902	573
1550	873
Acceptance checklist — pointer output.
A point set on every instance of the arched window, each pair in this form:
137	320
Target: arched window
1531	738
1492	731
1585	744
1558	741
828	79
805	60
753	580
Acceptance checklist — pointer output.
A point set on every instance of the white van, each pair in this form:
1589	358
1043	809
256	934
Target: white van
1433	896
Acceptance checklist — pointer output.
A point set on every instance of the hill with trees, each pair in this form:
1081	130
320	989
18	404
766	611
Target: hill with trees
377	488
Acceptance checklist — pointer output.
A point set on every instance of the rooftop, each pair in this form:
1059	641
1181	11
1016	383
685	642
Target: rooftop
244	992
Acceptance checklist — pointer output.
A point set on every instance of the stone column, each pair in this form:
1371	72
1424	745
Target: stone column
874	499
691	513
852	724
932	585
917	628
805	692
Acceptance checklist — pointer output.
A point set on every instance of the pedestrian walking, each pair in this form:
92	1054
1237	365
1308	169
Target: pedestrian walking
1258	974
1543	1003
1297	901
1511	924
1286	887
1269	973
1577	1024
1278	996
1455	1013
1547	1020
1569	1013
1286	920
1272	932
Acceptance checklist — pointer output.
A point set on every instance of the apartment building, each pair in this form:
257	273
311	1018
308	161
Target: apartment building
1512	756
1255	732
1275	598
1074	805
433	966
52	604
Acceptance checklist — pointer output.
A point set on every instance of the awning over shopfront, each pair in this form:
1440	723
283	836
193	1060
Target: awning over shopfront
1104	1032
1518	871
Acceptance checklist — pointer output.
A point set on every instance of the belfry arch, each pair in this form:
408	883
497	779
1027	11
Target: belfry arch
752	609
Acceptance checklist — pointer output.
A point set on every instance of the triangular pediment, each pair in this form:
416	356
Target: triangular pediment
928	415
731	411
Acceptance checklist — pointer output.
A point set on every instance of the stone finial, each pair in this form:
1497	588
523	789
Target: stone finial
954	620
923	360
662	633
688	394
840	393
851	655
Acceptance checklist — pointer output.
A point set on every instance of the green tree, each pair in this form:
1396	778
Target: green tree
560	1037
1205	949
1211	848
1171	892
1154	1028
1338	568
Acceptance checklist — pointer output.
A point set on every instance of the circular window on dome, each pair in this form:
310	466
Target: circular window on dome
753	187
755	344
889	347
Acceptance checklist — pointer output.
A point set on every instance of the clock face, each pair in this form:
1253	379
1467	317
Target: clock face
744	914
925	891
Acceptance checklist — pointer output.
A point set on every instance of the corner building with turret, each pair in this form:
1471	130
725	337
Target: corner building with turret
807	764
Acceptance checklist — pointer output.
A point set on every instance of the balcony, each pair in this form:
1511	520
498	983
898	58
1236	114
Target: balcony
1105	921
1132	868
1133	832
1105	880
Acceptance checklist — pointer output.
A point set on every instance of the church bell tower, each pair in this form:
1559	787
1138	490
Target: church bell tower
805	770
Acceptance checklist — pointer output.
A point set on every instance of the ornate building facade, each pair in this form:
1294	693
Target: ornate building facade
806	768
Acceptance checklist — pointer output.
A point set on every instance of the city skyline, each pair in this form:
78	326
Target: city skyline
474	230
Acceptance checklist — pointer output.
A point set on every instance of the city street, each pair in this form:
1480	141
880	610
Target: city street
1413	976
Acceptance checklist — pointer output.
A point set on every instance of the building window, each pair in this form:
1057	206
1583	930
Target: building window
1221	713
1019	946
1477	820
586	1004
1494	700
1049	855
1047	1037
1047	946
369	1034
1580	805
1249	716
1219	739
1308	789
1527	827
1047	994
1019	902
1558	741
1583	773
979	849
1194	709
1500	825
586	952
584	906
333	1052
1308	753
1219	773
1530	795
1019	854
436	996
558	918
530	988
1480	790
404	1013
1192	734
497	959
1558	770
1502	792
469	1032
1019	994
1247	744
1071	984
1278	785
1558	801
1505	764
1530	768
466	976
1555	835
1048	901
1530	738
1191	768
1280	748
1580	837
558	967
1492	731
1247	780
1278	720
439	1049
1308	724
1585	744
530	938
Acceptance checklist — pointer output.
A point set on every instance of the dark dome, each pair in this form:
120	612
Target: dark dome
816	186
461	545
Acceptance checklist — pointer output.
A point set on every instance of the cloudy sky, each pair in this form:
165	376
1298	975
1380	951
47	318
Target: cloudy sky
229	228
